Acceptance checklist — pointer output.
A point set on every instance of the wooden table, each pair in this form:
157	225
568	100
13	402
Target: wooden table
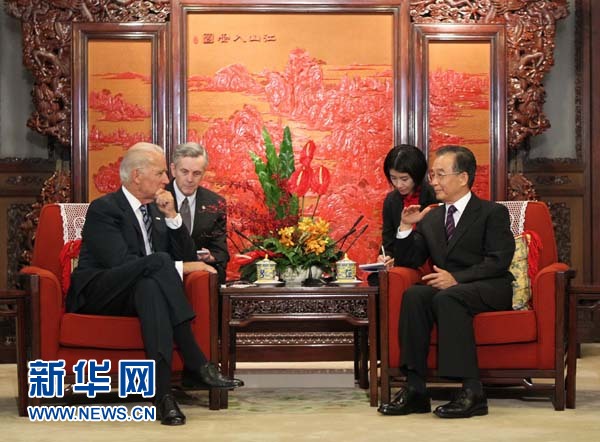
587	304
18	298
303	308
584	325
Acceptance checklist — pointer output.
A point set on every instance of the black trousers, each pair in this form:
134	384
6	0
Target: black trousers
453	310
149	288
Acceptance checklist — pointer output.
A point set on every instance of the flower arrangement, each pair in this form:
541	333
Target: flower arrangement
290	238
302	245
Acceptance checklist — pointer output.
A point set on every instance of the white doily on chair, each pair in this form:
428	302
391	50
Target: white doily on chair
73	218
516	210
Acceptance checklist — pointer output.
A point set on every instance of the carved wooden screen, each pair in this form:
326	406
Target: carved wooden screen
460	96
119	91
333	75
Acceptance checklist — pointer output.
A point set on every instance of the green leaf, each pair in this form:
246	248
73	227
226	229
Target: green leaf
286	155
258	162
273	172
270	188
271	153
293	206
248	272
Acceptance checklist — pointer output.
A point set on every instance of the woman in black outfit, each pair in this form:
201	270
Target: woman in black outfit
405	168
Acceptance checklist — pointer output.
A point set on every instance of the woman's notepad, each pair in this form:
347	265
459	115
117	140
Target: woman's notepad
372	267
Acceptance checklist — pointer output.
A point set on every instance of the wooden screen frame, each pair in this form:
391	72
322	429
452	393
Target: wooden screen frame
401	35
422	35
83	33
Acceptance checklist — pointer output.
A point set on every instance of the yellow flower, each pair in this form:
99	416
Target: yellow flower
285	236
314	227
305	224
304	244
316	246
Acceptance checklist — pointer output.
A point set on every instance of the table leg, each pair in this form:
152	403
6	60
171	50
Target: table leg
357	356
225	343
363	352
572	352
21	358
372	314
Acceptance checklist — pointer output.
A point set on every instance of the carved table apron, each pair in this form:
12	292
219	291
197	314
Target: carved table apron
304	309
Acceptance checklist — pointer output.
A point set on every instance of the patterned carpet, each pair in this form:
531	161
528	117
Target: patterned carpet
290	400
331	414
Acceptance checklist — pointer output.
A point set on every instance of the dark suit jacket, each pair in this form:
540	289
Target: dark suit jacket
481	248
112	236
392	211
210	226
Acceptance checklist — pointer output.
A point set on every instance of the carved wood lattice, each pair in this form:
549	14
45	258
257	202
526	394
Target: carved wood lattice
243	309
530	24
47	26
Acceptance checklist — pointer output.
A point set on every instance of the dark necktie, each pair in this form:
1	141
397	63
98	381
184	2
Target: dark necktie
147	222
186	216
450	227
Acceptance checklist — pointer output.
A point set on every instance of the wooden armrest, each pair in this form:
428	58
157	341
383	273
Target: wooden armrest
201	289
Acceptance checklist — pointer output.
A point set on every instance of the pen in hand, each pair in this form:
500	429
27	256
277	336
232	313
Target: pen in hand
387	260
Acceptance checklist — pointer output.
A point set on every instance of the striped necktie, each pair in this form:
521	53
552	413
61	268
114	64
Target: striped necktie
450	227
147	222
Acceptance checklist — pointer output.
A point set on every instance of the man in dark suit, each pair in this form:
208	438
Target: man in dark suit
470	245
204	212
134	252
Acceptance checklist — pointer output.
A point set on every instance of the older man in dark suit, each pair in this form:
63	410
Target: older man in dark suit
134	252
470	245
203	212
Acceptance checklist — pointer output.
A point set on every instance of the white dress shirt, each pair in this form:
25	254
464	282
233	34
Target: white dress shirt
172	223
460	206
179	196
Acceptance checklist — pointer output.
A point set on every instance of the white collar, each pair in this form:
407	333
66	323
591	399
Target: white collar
461	203
179	196
132	200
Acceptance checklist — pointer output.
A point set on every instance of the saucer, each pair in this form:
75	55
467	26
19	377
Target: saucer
271	283
347	283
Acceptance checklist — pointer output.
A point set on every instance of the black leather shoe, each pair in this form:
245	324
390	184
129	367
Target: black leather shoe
208	376
168	411
407	401
465	404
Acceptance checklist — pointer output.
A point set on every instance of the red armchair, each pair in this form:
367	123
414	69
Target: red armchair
70	336
513	347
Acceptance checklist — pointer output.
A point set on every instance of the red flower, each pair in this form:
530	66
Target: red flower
307	153
299	182
320	180
251	256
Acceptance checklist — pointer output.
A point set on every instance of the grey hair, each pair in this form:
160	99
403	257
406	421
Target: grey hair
191	149
137	157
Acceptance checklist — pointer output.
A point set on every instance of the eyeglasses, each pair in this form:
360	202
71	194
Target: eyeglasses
439	176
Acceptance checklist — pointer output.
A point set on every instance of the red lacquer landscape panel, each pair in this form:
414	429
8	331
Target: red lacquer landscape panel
328	77
119	107
459	102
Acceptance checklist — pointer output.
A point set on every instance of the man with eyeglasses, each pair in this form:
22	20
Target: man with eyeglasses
203	211
470	246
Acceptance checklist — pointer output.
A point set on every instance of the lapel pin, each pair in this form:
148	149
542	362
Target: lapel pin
203	207
158	218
